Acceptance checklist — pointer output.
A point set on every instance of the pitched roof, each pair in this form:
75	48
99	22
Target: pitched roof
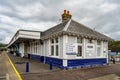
73	27
54	30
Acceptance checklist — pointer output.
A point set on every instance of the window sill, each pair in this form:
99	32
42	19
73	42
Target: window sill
79	57
54	56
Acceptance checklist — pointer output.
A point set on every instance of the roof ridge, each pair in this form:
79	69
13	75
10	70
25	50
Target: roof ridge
67	25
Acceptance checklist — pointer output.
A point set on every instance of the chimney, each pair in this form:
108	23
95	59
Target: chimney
66	16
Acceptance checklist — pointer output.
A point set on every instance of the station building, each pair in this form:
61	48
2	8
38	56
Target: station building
66	45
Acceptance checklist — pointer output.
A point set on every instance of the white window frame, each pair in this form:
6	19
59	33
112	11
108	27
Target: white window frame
80	44
54	44
98	46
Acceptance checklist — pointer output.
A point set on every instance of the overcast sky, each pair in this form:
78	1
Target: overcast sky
40	15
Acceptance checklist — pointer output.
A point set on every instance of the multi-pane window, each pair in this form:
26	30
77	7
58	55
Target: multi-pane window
38	51
79	51
52	41
56	39
98	43
98	48
98	51
55	47
79	47
35	47
79	40
56	50
52	50
32	48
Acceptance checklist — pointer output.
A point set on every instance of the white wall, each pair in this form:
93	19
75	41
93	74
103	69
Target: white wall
71	39
86	53
45	49
28	34
25	34
90	53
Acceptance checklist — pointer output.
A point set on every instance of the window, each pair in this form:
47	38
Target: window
36	47
98	43
32	48
57	50
56	40
55	46
79	51
52	50
90	41
79	40
98	51
52	40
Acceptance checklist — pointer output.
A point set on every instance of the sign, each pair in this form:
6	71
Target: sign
90	50
90	47
71	48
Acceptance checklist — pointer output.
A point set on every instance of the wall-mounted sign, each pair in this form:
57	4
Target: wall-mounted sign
71	48
104	47
90	50
90	47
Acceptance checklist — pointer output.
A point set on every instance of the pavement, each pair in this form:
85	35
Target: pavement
6	69
40	71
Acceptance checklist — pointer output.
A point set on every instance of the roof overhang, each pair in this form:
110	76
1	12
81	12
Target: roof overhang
24	36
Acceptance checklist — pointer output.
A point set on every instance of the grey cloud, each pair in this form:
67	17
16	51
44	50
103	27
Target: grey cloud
90	13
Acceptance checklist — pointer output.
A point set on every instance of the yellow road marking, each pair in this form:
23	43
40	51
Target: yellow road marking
20	78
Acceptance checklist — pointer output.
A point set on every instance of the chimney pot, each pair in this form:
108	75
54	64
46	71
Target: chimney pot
64	11
66	16
68	12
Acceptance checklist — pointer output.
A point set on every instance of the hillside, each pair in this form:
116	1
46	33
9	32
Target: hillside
114	46
3	45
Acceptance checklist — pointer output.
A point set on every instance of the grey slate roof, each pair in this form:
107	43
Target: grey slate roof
53	30
75	28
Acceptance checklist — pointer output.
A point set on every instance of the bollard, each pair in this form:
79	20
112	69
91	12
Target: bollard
50	65
27	66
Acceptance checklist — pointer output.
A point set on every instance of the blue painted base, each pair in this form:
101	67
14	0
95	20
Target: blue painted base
37	57
48	60
80	63
76	63
55	62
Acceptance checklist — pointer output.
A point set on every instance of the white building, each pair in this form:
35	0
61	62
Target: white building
68	44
